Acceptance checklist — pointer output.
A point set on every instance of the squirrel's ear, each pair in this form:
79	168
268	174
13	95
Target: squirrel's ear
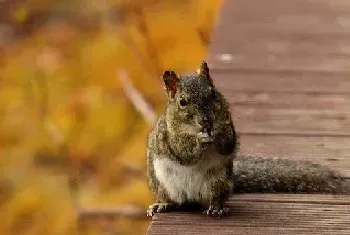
204	69
171	82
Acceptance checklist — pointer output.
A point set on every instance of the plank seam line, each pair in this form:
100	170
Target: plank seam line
216	70
292	92
289	54
266	107
290	202
295	134
273	34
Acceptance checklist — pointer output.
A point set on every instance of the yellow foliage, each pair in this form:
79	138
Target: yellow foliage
63	108
21	15
35	209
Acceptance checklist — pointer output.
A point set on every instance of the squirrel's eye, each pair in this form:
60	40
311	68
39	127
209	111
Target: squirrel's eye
183	101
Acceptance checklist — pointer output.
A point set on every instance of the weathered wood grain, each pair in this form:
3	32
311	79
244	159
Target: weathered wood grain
256	215
309	113
284	67
223	230
274	16
295	35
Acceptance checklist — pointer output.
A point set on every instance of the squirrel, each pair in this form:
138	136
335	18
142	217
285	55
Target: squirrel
192	154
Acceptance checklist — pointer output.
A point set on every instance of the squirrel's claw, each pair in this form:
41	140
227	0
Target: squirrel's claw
150	212
158	208
216	211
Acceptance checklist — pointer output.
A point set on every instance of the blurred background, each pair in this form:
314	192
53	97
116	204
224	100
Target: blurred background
79	88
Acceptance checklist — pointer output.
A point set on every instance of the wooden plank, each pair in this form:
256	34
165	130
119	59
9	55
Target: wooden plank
293	121
292	113
257	26
261	217
254	61
293	198
331	151
280	81
292	17
284	68
290	24
297	45
249	9
289	100
180	229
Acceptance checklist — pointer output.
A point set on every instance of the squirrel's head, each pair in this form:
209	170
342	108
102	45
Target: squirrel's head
190	100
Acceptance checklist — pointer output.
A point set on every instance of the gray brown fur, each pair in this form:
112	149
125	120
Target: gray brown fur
183	167
254	174
186	165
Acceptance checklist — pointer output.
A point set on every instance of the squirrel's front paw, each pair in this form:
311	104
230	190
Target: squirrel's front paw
205	137
216	211
159	208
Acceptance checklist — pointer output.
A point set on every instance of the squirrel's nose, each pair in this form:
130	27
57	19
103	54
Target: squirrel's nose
205	120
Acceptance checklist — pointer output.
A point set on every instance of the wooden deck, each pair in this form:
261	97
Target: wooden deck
285	68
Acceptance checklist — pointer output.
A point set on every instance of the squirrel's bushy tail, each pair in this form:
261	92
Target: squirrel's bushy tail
270	175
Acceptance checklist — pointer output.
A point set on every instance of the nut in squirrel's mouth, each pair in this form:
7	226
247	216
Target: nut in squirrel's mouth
206	128
206	133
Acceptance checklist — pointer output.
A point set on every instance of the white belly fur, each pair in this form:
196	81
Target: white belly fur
187	183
